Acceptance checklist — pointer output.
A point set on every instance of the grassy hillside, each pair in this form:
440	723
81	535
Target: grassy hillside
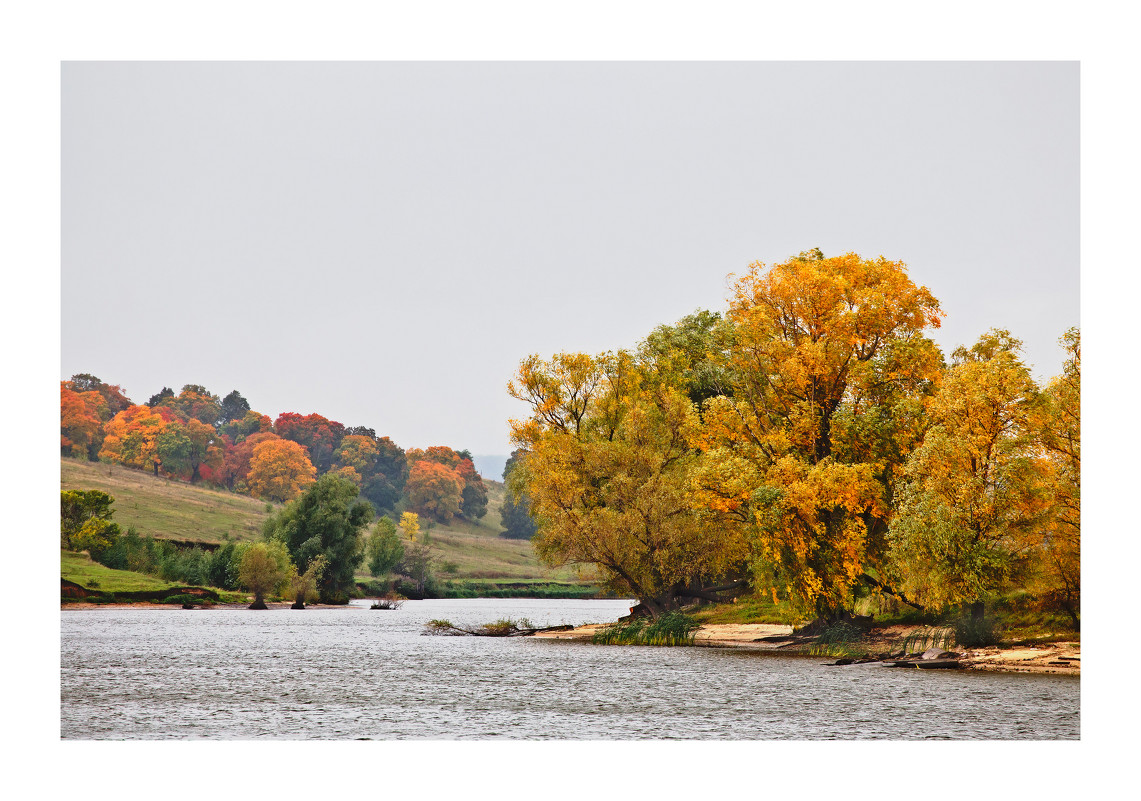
169	509
165	508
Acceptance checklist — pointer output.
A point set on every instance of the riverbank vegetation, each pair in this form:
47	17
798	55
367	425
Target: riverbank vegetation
813	445
189	534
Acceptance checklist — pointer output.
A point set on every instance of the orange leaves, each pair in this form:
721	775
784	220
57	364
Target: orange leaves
131	437
279	470
80	425
434	489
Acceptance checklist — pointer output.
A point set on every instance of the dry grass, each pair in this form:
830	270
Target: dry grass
165	508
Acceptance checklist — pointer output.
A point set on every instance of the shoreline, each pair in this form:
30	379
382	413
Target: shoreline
1058	658
1061	658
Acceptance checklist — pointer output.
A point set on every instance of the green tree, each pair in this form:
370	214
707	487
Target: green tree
516	509
264	570
233	407
384	549
325	521
85	521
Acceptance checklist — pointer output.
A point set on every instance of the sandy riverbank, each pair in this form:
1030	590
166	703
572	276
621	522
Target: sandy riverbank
1061	658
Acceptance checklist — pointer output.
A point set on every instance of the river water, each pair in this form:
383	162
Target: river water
362	674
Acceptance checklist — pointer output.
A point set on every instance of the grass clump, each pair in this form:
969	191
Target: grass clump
672	628
839	639
975	632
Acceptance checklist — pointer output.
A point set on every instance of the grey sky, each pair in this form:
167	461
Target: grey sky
383	242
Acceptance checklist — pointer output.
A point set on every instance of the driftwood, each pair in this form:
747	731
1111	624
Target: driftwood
500	628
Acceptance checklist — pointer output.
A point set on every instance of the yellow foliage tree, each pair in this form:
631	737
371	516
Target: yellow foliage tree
971	511
1056	420
607	467
827	369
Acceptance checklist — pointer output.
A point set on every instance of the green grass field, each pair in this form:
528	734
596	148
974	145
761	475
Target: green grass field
168	509
79	568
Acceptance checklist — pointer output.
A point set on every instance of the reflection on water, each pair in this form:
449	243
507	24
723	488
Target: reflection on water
357	673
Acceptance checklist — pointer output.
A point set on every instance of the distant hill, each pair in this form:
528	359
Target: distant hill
490	466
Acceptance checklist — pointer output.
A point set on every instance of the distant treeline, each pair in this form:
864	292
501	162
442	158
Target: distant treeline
199	437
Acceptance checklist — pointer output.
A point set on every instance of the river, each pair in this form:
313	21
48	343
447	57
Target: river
362	674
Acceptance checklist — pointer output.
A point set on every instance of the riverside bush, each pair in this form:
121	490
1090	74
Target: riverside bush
195	566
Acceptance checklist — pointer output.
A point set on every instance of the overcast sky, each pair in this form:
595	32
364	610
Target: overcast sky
382	243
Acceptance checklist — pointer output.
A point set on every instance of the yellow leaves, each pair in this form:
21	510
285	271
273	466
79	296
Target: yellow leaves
410	525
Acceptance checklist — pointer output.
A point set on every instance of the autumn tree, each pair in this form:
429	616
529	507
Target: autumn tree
279	470
318	435
473	504
194	402
264	570
434	490
325	521
131	438
85	521
429	484
828	369
236	460
358	452
973	502
608	471
1056	422
81	416
112	394
249	424
419	554
516	509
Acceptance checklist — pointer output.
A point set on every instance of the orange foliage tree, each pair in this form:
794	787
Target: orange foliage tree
279	470
827	370
131	438
80	421
236	462
318	434
434	489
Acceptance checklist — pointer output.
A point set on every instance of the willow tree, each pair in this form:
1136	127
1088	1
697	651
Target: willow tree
971	510
1056	420
828	369
607	466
